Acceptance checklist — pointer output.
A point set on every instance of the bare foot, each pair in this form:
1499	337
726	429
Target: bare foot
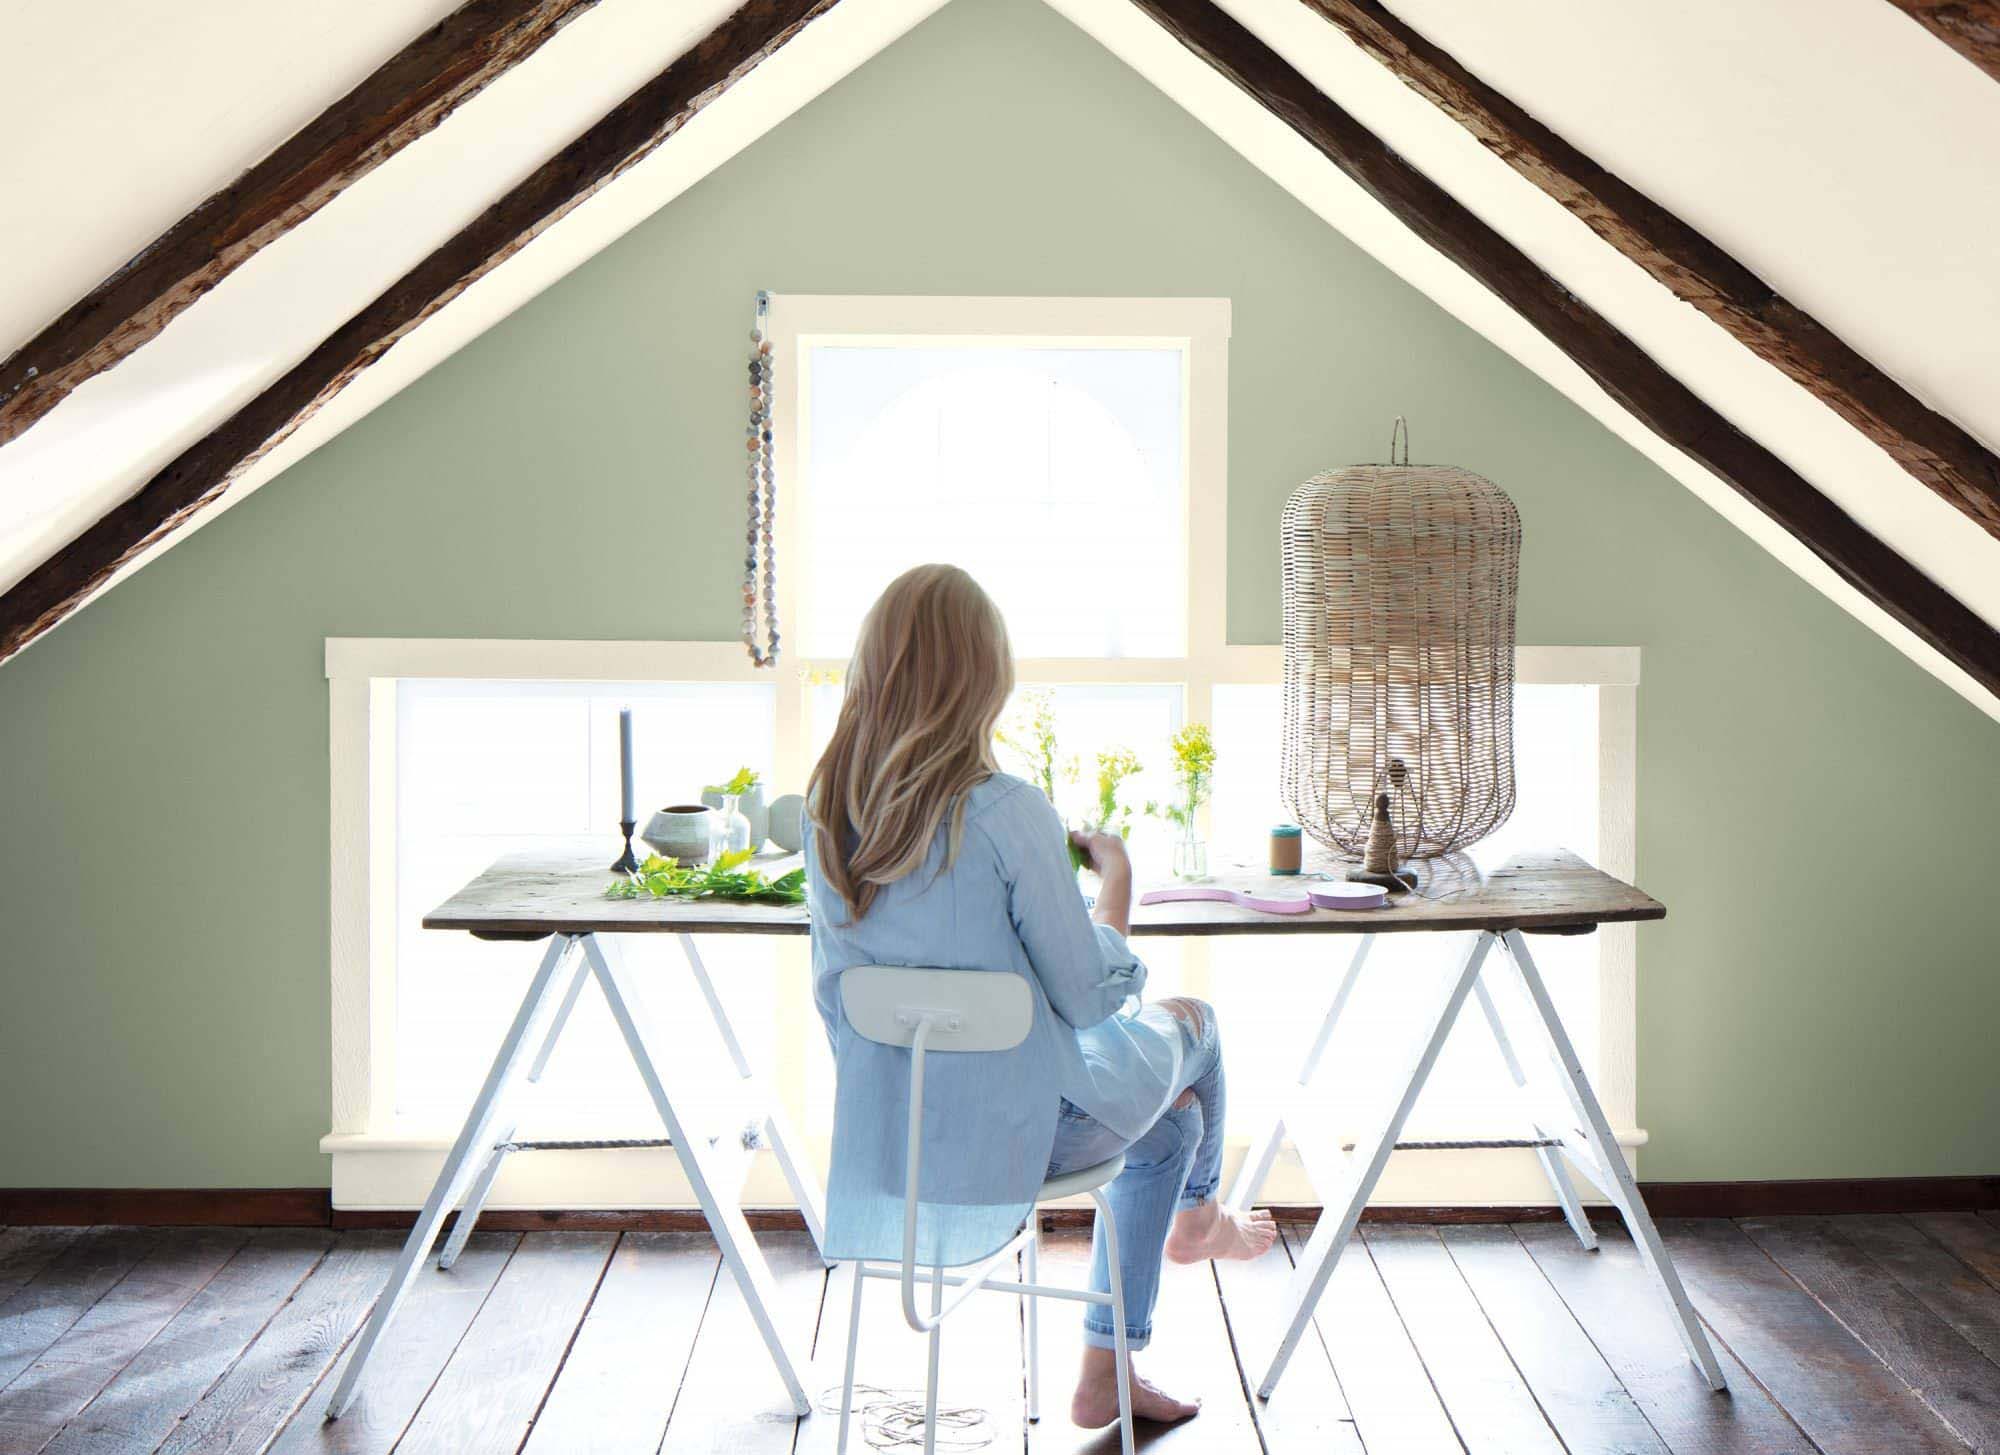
1210	1230
1095	1403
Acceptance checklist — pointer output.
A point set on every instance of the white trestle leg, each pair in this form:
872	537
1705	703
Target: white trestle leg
466	1155
1264	1148
482	1186
1355	1174
775	1127
713	1171
1551	1157
718	1202
1604	1162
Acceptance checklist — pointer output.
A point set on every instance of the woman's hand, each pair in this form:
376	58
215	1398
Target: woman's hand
1109	863
1106	853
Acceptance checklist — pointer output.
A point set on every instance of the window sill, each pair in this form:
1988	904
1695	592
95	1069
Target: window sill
393	1170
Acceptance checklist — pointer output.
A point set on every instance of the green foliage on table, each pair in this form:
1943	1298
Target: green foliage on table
742	783
726	878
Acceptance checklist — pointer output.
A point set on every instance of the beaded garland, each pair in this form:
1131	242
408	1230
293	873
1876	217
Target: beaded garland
762	489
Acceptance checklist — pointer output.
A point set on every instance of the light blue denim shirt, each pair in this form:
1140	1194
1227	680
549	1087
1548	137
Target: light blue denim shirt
1007	904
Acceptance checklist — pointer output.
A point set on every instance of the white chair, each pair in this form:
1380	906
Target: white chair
950	1011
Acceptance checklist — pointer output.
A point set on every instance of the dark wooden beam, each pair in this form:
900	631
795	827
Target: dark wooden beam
1970	27
199	476
1929	446
1619	366
413	91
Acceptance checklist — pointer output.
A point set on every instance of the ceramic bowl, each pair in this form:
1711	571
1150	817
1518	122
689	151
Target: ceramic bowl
679	831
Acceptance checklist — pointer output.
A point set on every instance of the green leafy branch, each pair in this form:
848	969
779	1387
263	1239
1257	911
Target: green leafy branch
726	878
742	783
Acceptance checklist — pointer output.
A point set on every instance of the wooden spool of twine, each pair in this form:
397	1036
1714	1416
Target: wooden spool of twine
1399	586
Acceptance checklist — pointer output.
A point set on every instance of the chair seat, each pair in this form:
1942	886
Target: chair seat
1085	1180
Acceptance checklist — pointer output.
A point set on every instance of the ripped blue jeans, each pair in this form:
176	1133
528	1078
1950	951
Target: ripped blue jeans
1176	1164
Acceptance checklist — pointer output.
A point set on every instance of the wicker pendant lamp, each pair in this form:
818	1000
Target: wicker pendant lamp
1399	585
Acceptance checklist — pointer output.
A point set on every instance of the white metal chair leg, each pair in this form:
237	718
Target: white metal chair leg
1550	1157
1031	1254
482	1187
451	1179
1123	1355
931	1372
853	1344
1624	1190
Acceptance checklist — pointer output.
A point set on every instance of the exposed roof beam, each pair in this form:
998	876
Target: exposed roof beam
1929	446
631	131
410	94
1970	27
1620	367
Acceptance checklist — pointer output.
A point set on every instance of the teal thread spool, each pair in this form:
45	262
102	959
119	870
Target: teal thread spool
1287	849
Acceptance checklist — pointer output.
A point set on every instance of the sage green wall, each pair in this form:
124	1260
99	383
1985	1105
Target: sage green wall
574	473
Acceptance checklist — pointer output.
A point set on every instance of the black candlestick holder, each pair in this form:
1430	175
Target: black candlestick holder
626	864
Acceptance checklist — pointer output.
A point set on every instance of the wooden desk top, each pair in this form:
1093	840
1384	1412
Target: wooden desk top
528	896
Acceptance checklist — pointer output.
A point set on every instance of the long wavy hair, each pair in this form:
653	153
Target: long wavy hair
929	678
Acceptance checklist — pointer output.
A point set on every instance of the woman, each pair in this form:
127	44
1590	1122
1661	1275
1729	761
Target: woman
921	852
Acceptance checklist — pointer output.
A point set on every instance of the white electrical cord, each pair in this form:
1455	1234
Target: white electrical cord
893	1419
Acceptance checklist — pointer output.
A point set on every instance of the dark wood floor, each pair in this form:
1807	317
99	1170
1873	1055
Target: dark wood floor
1848	1335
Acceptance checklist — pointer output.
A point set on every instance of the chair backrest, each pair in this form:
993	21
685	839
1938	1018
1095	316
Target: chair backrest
969	1010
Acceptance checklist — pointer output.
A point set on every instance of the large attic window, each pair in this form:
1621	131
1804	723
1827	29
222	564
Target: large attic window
1040	470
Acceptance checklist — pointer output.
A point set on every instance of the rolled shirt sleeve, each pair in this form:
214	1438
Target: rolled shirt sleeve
1087	970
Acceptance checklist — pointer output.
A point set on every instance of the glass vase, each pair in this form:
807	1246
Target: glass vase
1190	855
728	829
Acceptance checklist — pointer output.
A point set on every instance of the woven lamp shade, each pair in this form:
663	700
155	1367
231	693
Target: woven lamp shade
1399	586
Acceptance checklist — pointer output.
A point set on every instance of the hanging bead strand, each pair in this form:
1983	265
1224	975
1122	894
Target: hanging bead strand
760	609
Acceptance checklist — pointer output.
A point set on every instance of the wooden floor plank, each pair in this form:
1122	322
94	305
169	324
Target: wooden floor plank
24	1252
732	1402
1396	1407
1847	1401
1489	1403
1189	1356
1613	1299
245	1409
1579	1393
434	1317
980	1364
486	1400
1957	1381
138	1410
1972	1239
42	1310
69	1373
623	1373
1309	1410
1936	1276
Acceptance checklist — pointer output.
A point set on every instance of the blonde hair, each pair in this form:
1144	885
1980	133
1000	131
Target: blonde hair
930	675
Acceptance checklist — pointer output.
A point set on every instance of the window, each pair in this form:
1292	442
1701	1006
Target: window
1042	471
1041	443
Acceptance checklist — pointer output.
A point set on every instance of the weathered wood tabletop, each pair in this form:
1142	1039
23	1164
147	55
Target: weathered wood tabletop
527	896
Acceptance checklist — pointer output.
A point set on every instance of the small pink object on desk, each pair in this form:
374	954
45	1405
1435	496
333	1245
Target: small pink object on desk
1263	902
1320	896
1339	895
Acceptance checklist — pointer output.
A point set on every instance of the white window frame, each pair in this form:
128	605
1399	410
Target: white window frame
382	1161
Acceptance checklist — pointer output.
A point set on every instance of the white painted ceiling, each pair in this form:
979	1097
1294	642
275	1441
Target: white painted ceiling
1832	145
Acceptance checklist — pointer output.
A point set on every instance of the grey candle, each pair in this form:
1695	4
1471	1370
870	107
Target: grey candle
625	814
